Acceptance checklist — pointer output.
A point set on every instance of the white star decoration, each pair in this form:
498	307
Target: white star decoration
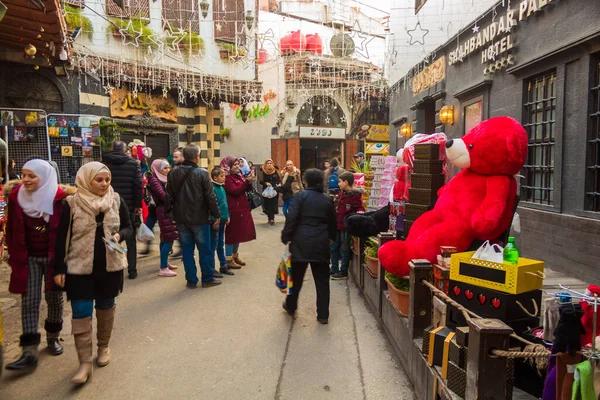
418	36
108	89
311	120
343	119
165	92
360	48
135	93
303	93
327	120
475	29
219	27
129	35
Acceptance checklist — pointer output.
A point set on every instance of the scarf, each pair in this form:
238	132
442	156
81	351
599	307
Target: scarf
157	166
266	169
39	204
244	167
227	163
85	206
293	170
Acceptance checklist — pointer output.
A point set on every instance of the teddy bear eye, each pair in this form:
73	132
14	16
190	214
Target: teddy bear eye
471	146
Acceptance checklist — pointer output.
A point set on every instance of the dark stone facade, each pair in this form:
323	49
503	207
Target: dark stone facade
562	37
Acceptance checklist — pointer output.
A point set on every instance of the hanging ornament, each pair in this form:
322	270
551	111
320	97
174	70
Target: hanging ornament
360	46
36	67
30	50
418	36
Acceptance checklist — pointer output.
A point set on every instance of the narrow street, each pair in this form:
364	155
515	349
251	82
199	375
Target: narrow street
229	342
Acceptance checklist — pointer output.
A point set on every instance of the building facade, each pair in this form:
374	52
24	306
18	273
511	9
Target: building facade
537	61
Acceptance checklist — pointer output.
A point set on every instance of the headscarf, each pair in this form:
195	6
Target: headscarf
227	163
293	171
266	169
157	167
85	198
246	168
39	204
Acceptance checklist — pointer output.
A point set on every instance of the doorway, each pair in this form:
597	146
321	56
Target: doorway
159	143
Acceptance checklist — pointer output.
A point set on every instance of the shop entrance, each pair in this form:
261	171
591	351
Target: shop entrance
314	152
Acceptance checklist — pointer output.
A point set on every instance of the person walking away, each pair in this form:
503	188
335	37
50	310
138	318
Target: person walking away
331	177
192	199
268	177
34	209
168	230
217	238
92	274
127	182
291	184
349	202
241	226
309	229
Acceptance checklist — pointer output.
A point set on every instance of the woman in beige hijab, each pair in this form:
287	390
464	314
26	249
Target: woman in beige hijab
94	215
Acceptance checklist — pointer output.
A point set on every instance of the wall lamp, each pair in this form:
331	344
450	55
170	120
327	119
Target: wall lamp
244	113
406	129
204	8
447	115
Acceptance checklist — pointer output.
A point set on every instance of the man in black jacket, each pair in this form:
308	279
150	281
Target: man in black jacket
127	182
192	200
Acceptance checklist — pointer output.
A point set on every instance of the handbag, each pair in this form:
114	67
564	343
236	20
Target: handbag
283	277
254	199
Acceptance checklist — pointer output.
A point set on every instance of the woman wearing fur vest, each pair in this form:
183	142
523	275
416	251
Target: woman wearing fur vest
34	209
291	183
92	274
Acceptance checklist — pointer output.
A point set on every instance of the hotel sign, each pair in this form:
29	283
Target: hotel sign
487	39
432	74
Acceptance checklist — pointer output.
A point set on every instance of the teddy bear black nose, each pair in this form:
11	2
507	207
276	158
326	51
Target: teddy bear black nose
449	143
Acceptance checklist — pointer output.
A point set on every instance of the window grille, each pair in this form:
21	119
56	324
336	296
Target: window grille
593	164
540	122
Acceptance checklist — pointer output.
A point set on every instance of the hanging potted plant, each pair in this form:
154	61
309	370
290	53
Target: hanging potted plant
224	133
371	250
190	42
398	292
132	31
75	19
229	50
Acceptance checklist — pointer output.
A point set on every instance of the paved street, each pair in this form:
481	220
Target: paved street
228	342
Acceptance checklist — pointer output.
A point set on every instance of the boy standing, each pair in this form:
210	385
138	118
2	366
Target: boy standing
349	202
217	233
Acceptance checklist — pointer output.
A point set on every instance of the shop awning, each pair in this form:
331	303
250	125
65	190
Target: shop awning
36	22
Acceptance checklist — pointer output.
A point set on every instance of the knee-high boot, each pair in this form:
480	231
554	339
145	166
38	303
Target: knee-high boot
82	331
106	319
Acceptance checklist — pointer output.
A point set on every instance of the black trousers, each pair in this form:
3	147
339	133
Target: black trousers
131	243
320	273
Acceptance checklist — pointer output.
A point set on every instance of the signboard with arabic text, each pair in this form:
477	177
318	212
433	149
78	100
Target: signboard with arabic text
322	132
124	103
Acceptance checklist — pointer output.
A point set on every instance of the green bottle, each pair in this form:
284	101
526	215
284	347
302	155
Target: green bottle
511	253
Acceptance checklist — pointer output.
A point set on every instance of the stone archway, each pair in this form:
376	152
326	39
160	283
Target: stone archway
321	111
33	91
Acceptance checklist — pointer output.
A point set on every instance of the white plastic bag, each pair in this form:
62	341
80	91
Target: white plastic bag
269	192
144	234
490	252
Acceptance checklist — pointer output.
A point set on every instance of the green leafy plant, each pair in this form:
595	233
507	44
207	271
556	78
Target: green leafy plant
232	49
109	132
372	247
399	283
225	132
138	24
75	19
357	167
188	40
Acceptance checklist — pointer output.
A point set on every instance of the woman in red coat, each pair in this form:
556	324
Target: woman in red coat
34	209
241	227
168	230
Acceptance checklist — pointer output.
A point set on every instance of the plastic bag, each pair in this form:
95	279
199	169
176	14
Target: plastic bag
269	192
490	252
283	278
144	234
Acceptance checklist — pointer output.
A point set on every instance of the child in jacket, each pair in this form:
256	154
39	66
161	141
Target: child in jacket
349	202
217	239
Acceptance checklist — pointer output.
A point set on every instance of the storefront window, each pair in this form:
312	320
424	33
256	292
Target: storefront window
540	122
593	164
473	115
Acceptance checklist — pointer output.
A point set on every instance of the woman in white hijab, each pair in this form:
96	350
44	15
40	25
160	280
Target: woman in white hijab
89	263
34	209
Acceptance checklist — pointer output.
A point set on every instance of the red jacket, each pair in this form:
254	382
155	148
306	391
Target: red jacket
349	202
15	241
241	227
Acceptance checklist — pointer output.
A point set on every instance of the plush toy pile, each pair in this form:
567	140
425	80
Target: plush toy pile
478	203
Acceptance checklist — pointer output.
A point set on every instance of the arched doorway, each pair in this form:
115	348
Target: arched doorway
321	111
33	91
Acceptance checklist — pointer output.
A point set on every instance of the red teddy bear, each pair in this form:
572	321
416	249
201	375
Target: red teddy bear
478	203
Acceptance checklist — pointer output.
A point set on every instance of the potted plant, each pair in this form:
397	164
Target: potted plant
189	41
224	133
398	292
75	19
109	132
229	50
132	31
371	249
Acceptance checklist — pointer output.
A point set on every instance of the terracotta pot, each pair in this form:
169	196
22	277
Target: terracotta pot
355	245
372	266
224	53
398	298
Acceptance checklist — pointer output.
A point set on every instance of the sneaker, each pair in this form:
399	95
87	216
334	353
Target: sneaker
217	274
166	272
323	321
191	286
214	282
226	271
332	272
171	266
339	276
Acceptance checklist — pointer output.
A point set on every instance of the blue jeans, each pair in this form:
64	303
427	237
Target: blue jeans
190	237
151	221
84	308
217	244
165	249
232	248
286	206
341	247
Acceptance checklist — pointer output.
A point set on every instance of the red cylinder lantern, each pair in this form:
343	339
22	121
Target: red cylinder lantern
314	43
293	42
263	56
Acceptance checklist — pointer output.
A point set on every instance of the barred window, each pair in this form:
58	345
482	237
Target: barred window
540	122
593	164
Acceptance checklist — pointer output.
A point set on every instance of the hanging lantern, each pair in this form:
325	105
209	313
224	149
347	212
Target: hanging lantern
447	115
406	130
30	50
244	113
249	19
204	8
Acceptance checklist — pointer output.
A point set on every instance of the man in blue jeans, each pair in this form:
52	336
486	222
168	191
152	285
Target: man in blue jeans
192	201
